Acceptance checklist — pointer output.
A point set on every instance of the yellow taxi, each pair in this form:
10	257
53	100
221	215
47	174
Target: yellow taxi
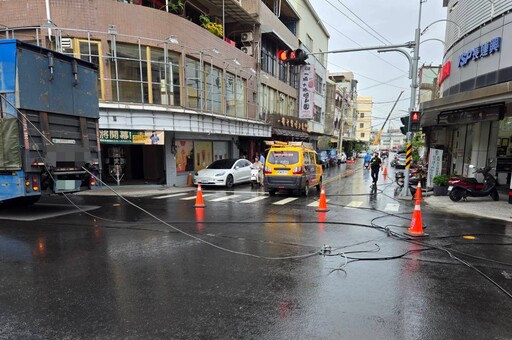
292	166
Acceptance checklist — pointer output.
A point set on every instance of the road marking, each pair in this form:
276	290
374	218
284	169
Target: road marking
285	201
254	199
315	203
194	197
225	198
171	195
392	207
354	204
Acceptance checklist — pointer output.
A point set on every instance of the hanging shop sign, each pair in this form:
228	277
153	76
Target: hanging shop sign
132	137
307	92
290	123
481	51
471	115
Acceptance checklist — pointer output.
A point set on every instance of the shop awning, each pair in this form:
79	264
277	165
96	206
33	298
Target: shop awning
485	96
289	133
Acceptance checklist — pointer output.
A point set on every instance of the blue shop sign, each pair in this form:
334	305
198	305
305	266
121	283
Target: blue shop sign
481	51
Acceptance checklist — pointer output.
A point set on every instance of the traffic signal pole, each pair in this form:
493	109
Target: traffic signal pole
412	103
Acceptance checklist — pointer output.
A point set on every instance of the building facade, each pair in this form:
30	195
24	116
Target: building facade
471	122
364	120
180	84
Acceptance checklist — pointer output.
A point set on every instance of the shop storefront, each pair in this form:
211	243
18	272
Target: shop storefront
472	121
130	156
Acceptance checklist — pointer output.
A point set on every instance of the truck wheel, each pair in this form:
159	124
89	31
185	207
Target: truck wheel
272	192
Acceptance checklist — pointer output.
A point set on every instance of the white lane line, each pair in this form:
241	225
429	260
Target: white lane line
225	198
254	199
354	204
171	195
392	207
315	203
285	201
194	197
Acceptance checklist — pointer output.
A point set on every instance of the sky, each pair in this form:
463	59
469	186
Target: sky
381	22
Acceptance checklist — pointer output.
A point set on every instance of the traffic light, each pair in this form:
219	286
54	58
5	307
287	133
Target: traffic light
405	123
296	57
415	118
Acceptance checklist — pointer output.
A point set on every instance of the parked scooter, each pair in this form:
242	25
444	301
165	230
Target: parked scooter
464	187
416	175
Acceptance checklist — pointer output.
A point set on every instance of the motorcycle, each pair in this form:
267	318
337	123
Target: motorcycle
416	175
464	187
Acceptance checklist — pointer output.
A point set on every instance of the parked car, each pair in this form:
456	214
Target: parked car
400	161
225	172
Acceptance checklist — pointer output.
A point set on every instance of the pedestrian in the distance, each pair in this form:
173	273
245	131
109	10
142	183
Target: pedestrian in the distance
262	159
367	159
375	165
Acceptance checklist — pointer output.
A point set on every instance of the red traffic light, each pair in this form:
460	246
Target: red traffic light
283	55
415	116
296	57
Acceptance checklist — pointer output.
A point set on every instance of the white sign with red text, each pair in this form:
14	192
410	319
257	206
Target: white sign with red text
307	92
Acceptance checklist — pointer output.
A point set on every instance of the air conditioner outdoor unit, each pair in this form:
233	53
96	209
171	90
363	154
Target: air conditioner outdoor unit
66	43
247	49
247	37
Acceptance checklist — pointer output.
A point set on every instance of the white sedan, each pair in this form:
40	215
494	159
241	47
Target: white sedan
226	172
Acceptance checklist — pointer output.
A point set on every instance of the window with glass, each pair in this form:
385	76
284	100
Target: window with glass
281	105
91	51
240	97
213	89
195	84
292	107
361	115
361	125
269	56
318	83
272	100
230	94
130	76
165	78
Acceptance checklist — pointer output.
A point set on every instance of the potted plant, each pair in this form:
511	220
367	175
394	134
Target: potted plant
441	185
211	26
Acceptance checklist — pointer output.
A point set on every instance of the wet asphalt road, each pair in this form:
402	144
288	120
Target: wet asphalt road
162	269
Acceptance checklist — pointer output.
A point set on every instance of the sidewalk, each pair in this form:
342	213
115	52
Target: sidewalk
476	206
136	190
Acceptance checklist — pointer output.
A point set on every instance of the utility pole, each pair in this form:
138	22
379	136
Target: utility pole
412	104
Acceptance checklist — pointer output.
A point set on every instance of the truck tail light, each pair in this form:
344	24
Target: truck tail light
92	181
35	183
267	170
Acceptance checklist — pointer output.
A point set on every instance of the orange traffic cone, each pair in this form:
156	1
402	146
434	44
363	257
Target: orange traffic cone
322	204
416	227
418	195
199	198
190	179
385	171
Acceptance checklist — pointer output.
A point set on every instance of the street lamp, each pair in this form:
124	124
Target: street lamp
440	20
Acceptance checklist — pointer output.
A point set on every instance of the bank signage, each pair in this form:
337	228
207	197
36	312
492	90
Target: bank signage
481	51
445	72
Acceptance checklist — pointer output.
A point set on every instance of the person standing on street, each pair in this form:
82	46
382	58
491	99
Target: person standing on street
375	165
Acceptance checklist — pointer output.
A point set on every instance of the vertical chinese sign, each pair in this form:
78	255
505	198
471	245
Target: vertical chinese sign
307	92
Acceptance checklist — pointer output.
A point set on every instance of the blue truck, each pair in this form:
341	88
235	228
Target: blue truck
49	123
